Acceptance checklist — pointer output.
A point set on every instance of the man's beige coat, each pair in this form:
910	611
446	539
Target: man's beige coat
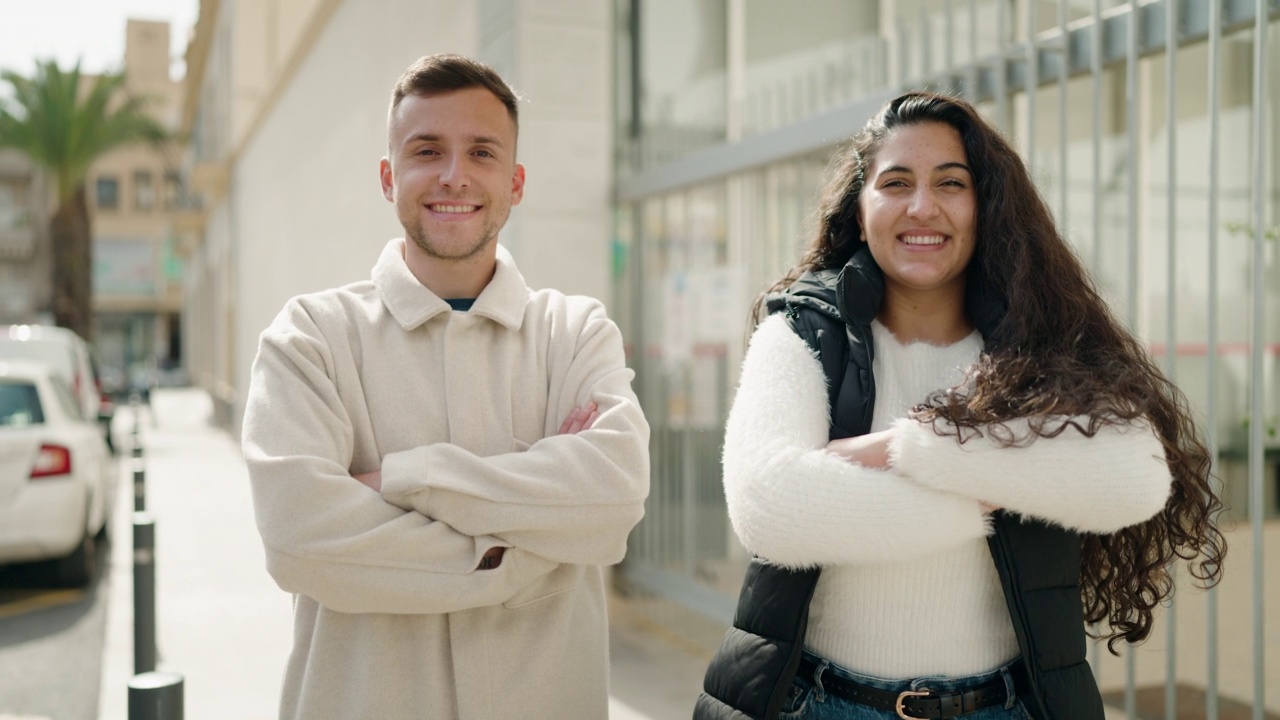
460	411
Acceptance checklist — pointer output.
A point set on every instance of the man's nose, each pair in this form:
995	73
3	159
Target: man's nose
455	173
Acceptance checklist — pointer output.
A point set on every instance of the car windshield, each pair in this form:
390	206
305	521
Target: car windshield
19	404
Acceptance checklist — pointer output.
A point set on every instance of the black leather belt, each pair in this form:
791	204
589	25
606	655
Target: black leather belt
922	703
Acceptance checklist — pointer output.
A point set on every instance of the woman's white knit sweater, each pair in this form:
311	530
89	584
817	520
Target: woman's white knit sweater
908	587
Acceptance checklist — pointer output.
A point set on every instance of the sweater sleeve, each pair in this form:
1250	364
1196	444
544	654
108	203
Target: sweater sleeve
327	535
570	498
796	504
1118	477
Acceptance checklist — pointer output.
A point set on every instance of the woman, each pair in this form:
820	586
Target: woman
997	463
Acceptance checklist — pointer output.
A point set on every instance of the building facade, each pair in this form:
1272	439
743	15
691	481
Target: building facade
26	288
1153	140
132	192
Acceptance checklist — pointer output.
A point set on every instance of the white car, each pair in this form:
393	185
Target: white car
57	477
70	356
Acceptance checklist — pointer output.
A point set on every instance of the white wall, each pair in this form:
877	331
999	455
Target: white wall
559	52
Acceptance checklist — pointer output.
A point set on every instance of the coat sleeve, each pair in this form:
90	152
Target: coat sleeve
570	498
327	535
1116	478
795	504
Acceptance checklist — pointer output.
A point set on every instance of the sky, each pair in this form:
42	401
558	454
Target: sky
89	30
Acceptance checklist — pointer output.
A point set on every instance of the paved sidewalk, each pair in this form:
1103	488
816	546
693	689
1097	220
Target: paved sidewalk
221	621
224	625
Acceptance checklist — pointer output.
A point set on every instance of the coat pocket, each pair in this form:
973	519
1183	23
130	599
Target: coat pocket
558	581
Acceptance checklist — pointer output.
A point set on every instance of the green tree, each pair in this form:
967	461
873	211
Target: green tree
64	122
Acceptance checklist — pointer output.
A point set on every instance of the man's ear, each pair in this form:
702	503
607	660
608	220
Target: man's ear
517	185
388	182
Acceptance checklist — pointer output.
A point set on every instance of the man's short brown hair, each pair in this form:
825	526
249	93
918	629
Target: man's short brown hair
445	72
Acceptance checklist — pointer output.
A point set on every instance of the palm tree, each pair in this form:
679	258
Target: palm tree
65	129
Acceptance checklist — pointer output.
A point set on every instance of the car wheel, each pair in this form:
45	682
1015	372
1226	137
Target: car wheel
76	569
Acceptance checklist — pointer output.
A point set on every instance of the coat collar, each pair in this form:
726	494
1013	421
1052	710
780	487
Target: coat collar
503	300
860	291
854	292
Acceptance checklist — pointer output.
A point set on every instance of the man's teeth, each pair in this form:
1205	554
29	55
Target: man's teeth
454	208
923	239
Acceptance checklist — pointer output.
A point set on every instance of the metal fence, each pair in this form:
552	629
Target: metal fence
1147	126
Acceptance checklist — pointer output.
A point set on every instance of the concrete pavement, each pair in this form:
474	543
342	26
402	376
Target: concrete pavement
224	625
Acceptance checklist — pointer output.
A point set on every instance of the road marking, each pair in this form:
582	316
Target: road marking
38	601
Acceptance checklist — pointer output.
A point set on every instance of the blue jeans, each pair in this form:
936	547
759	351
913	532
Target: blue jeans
809	701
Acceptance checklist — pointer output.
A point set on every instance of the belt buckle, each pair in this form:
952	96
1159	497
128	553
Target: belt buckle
902	696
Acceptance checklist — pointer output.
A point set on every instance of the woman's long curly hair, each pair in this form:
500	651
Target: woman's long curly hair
1056	351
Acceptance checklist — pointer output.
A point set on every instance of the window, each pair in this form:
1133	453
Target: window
107	192
9	211
172	190
19	404
144	190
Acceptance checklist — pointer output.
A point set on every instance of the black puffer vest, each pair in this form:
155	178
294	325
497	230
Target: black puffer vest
1039	565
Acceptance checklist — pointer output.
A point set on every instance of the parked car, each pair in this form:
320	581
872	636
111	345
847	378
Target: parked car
106	403
56	474
71	357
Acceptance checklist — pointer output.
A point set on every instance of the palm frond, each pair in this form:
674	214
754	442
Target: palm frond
64	122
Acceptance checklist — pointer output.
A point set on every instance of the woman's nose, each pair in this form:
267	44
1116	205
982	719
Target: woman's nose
923	204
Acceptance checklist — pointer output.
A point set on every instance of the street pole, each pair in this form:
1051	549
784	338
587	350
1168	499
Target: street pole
139	481
156	696
144	593
139	467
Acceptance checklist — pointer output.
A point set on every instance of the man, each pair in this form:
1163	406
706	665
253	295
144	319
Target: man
442	459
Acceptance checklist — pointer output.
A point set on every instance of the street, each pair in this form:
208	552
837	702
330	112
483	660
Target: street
51	643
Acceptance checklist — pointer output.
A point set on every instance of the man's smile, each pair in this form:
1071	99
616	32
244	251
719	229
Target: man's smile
452	208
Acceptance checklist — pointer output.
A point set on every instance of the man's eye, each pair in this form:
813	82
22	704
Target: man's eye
484	153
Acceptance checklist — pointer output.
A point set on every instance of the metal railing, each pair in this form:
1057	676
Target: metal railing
1166	199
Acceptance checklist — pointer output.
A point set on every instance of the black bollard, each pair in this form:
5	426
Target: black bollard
144	593
155	696
134	402
139	484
